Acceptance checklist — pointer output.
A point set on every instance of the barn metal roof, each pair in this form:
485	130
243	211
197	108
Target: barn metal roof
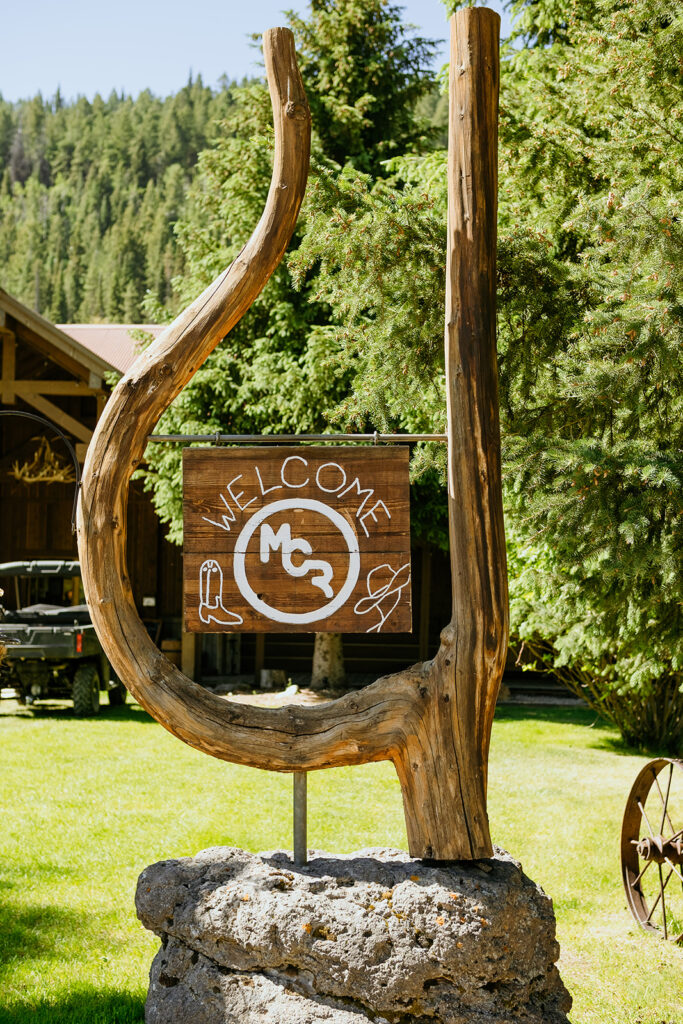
85	355
111	342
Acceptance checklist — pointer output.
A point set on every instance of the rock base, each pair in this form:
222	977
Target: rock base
375	936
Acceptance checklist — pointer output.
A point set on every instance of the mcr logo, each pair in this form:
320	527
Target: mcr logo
283	539
312	541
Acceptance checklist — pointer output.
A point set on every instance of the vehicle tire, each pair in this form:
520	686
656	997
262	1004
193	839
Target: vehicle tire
117	693
85	690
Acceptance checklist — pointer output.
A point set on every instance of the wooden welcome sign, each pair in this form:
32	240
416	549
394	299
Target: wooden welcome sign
296	539
433	720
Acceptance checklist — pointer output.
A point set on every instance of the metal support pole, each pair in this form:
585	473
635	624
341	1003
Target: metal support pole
300	837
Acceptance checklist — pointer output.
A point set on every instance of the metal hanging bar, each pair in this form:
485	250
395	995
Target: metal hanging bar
374	438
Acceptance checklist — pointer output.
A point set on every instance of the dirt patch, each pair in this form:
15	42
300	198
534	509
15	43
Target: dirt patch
278	698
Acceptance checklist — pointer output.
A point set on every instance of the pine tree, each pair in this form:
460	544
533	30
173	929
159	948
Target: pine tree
88	166
590	313
278	370
364	75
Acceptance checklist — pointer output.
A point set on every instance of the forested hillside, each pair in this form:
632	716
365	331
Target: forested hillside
89	193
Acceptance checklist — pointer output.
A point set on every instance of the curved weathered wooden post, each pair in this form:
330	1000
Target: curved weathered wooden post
432	720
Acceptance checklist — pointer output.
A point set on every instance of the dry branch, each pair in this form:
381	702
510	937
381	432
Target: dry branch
432	720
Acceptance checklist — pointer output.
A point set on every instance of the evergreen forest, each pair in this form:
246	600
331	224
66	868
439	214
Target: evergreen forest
125	209
89	196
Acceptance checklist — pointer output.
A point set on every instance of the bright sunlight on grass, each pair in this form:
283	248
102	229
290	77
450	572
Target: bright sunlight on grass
86	805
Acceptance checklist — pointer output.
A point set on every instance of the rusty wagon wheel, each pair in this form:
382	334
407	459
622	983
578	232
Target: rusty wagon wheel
652	848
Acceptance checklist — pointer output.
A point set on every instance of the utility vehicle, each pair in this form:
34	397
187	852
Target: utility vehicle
52	648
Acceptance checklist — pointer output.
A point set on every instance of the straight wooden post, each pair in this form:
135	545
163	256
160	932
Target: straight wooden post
477	534
188	654
259	656
443	771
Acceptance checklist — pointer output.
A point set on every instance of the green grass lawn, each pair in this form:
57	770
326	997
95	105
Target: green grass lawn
86	805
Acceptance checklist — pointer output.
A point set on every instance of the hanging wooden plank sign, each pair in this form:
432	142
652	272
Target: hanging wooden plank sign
306	539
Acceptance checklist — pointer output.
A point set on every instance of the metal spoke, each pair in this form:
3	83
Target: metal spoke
661	889
647	820
674	868
635	881
665	802
653	908
661	893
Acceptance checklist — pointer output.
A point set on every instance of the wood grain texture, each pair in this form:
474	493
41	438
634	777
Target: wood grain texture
359	502
432	720
471	661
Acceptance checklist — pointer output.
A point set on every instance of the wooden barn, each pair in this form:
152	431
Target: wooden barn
60	372
48	372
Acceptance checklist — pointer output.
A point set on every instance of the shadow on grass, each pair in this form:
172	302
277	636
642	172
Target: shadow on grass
33	932
34	936
616	744
558	715
88	1006
607	738
14	876
127	713
64	712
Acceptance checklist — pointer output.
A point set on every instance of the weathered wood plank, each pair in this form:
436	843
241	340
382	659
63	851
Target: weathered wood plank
346	512
275	537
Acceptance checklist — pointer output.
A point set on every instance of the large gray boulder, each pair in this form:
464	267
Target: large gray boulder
374	936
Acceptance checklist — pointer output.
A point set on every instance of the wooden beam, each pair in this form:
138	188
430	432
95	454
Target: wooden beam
36	324
479	625
55	355
58	416
9	362
188	654
425	600
56	387
259	656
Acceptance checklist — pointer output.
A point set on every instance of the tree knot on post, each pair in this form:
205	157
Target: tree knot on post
447	635
296	111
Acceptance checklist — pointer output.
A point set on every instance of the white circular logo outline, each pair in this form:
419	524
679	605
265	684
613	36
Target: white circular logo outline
284	505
